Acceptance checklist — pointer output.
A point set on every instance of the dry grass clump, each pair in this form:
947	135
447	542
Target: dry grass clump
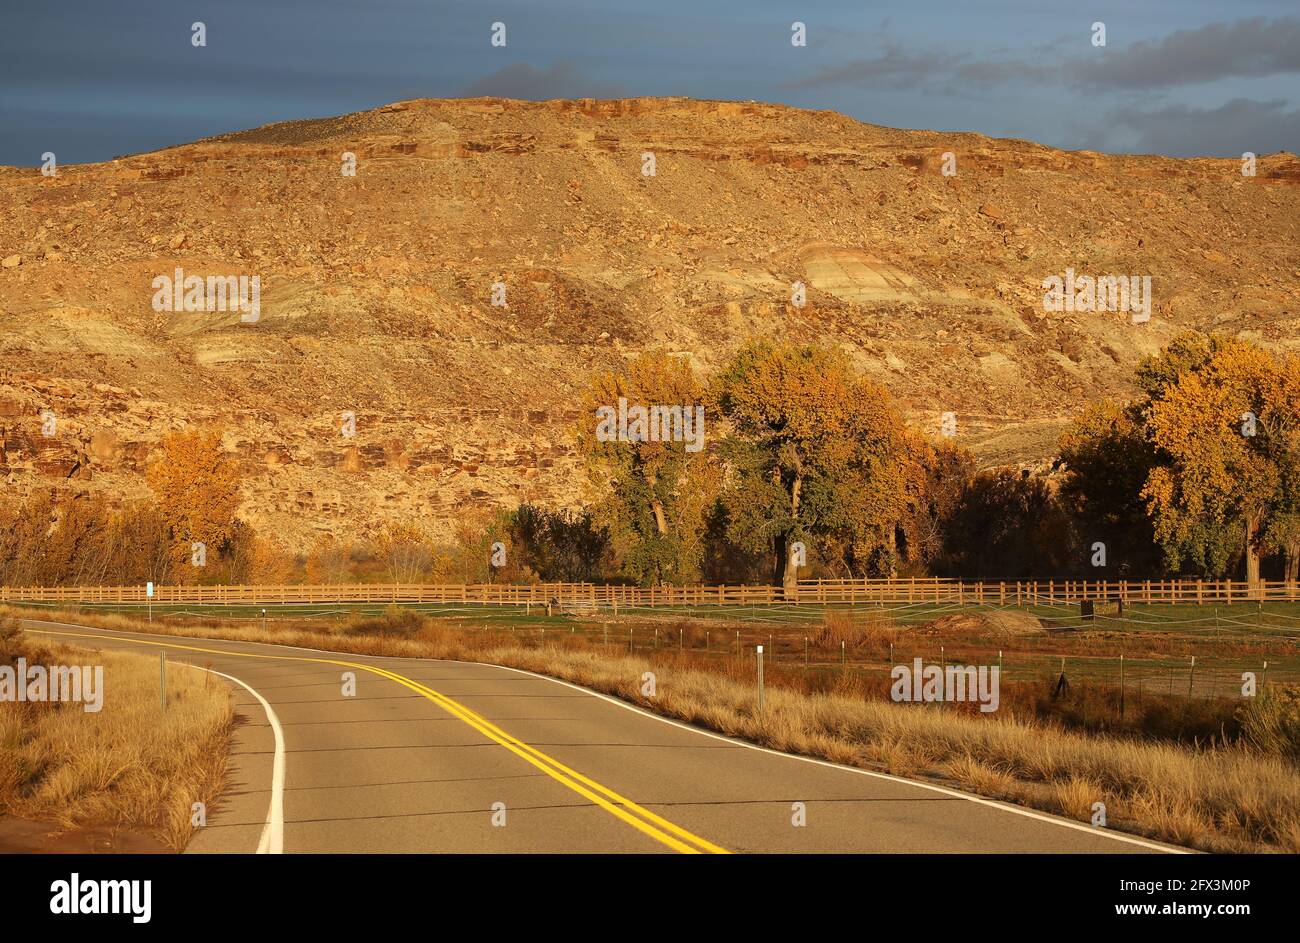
1270	722
855	630
128	766
394	621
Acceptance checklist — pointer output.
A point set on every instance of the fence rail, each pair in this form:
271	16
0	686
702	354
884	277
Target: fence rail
588	595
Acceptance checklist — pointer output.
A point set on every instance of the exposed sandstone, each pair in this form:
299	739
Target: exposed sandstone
376	289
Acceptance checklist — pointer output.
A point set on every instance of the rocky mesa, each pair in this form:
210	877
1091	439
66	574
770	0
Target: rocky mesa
923	254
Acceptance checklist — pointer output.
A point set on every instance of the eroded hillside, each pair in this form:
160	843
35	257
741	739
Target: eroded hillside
376	292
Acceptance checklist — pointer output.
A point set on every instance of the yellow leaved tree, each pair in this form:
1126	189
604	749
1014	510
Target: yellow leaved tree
817	455
196	484
642	434
1230	428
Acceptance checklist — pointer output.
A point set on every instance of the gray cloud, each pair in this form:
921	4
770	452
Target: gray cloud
894	68
1252	47
1247	48
561	79
1227	131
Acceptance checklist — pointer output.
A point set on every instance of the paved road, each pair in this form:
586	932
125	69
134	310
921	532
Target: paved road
424	752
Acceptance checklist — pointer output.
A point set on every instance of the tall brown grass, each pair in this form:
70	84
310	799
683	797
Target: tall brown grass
129	766
855	631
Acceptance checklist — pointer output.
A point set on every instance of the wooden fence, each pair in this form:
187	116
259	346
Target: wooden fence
590	595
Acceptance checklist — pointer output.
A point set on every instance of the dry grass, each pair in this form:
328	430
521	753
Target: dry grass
1220	798
854	631
129	766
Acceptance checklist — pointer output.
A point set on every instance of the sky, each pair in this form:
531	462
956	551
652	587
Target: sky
94	79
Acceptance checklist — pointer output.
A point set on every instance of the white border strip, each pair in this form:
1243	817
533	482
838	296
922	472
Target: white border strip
272	839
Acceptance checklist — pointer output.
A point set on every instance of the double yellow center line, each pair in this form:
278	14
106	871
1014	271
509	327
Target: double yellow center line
640	818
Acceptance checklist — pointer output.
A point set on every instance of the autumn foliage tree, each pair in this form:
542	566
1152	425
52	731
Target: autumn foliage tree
816	456
1229	426
1209	455
80	540
937	475
196	485
652	494
406	550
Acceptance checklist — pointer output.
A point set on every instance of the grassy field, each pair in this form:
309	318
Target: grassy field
129	766
1217	771
1157	642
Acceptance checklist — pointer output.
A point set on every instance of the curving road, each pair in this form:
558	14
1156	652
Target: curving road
440	756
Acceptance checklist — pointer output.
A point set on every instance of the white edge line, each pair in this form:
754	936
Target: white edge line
1005	807
272	840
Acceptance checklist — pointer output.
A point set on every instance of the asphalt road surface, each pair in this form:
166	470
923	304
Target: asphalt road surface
440	756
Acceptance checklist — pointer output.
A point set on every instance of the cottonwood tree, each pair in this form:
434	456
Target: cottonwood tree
1108	457
555	546
406	551
1009	525
329	561
937	475
815	453
196	485
652	497
143	539
1225	470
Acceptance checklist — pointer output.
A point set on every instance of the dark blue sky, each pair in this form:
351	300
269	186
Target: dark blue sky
92	79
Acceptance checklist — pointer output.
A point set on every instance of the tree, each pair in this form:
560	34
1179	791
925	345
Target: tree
1108	458
1008	525
406	551
651	478
815	454
937	476
559	546
141	532
330	561
197	488
475	532
1229	426
1209	453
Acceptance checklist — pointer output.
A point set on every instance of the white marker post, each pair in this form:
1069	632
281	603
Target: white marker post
148	592
760	677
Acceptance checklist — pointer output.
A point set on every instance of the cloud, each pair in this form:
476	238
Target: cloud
893	68
561	79
1244	49
1227	131
1247	48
